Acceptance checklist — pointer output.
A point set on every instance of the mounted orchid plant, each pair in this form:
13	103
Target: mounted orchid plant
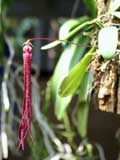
81	40
90	50
68	79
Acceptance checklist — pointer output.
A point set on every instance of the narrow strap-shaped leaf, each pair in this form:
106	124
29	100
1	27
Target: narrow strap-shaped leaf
61	72
75	76
83	104
82	117
72	33
116	14
69	25
114	5
79	51
91	6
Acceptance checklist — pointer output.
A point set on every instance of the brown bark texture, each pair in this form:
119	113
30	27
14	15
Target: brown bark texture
106	73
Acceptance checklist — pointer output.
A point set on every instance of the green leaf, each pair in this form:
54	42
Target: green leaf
72	33
79	51
75	76
2	45
60	72
70	25
114	5
0	7
91	6
83	105
116	14
4	4
51	45
7	3
85	86
82	117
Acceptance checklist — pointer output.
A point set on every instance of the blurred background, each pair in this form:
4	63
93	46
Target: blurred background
54	137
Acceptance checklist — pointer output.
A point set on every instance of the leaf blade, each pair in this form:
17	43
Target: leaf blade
72	33
91	6
61	70
83	105
73	80
65	63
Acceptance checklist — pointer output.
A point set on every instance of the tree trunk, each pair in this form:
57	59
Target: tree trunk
106	73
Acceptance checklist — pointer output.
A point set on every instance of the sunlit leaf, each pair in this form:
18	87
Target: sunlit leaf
72	33
82	117
83	105
64	31
75	76
116	14
69	25
51	45
83	42
61	72
114	5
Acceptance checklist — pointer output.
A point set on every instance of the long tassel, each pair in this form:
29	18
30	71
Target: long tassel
24	127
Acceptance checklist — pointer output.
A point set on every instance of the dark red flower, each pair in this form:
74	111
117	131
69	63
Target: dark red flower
24	127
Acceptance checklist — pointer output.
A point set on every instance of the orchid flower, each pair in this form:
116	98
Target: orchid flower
24	127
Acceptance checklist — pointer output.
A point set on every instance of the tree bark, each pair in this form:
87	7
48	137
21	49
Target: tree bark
106	73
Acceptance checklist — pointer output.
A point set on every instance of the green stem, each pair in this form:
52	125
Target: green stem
70	134
47	97
89	148
79	28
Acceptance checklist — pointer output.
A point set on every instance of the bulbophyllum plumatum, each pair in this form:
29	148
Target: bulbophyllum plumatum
25	123
24	127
